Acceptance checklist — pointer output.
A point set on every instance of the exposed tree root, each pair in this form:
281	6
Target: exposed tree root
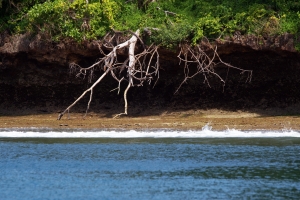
140	68
205	59
145	66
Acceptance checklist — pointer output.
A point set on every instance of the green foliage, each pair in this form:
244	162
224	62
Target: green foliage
46	18
170	36
130	18
257	18
290	23
58	19
207	25
63	18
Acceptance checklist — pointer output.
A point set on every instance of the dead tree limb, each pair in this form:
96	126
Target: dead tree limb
137	70
83	94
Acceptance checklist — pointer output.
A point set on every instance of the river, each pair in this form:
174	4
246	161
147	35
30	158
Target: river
149	164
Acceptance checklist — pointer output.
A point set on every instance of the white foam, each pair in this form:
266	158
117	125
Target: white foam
206	132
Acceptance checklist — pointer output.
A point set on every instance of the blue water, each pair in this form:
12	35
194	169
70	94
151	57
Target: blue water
149	168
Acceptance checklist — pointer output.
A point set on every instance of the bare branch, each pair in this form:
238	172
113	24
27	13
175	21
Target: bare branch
137	70
144	66
205	62
82	95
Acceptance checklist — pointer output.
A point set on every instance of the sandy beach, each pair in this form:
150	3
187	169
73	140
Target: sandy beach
192	119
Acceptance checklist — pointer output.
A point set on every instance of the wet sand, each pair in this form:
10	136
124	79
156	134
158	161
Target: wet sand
218	119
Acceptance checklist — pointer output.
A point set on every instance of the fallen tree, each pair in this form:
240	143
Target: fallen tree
144	66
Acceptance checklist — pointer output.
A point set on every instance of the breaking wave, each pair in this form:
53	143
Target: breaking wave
205	132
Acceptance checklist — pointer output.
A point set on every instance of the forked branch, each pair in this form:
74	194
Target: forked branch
137	71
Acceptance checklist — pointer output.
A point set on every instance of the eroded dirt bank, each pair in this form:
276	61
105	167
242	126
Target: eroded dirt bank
35	79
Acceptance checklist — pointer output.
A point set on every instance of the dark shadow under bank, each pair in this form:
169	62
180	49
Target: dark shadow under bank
31	85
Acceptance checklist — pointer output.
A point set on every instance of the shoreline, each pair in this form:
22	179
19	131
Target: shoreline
187	120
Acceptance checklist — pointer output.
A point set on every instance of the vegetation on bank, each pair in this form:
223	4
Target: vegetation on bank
169	21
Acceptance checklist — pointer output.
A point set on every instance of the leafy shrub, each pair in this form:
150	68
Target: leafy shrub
192	20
